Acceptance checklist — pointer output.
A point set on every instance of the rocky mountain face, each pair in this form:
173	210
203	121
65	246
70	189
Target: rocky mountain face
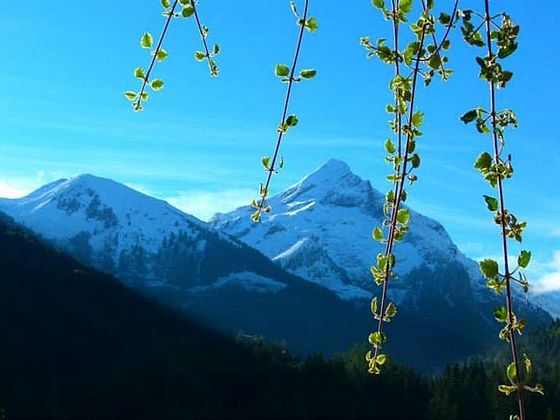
320	229
301	276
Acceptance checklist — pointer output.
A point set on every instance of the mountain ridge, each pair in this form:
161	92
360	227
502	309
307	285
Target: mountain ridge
311	255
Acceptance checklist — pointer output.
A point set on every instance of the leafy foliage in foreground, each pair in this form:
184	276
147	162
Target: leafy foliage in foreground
273	164
501	34
171	11
418	58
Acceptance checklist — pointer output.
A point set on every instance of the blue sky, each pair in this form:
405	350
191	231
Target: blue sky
65	65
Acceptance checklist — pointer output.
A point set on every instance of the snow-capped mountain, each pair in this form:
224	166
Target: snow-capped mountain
306	283
185	263
138	237
320	229
100	218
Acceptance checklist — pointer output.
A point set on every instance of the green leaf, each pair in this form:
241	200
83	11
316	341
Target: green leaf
378	234
380	4
156	84
374	306
403	216
417	119
491	203
187	11
381	359
377	338
435	61
430	4
524	259
391	310
500	314
311	25
382	262
281	70
489	269
469	116
216	49
415	160
130	95
139	73
292	121
507	389
308	74
444	19
483	162
165	3
161	54
146	41
266	162
199	55
390	146
405	6
256	216
512	373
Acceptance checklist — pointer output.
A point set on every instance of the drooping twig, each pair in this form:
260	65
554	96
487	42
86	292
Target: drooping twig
402	156
495	170
159	54
289	76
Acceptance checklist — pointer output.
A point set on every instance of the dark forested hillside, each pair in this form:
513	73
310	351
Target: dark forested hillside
76	344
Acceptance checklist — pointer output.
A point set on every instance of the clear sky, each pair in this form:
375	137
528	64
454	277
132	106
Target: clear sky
64	66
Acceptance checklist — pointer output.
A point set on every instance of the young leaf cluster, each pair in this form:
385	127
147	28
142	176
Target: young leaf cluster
424	58
188	9
289	75
500	33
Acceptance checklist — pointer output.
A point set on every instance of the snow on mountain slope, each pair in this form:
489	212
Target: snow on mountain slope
104	210
134	236
320	229
549	301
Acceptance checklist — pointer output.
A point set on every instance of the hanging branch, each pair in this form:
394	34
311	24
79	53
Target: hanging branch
425	61
287	75
495	170
159	54
206	54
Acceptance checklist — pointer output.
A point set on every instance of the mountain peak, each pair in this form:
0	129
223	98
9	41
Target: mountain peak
333	165
333	169
332	183
100	209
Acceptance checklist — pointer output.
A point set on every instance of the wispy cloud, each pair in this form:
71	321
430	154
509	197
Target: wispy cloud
15	187
549	281
204	205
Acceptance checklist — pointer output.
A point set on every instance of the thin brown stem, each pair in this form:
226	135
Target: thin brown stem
156	51
398	197
203	38
446	35
507	274
398	116
272	169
